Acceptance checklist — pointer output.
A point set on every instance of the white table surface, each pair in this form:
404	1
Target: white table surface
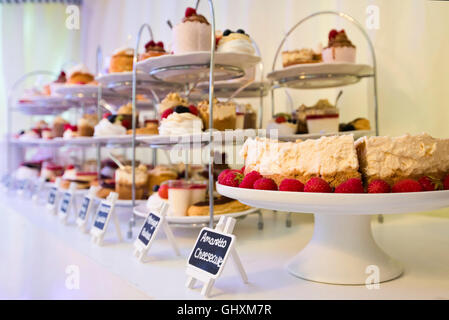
36	248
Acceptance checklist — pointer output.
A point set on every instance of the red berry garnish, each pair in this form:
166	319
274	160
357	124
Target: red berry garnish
127	124
233	178
291	185
242	170
265	184
407	185
190	11
163	191
353	185
70	167
317	185
193	110
427	184
446	183
249	179
332	34
166	113
280	119
106	115
342	31
379	186
222	175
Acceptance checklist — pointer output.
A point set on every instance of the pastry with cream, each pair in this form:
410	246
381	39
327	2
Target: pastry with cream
159	174
28	171
179	122
282	124
301	56
122	60
153	49
323	117
224	114
109	127
192	34
86	125
237	41
172	99
79	74
339	48
51	171
123	182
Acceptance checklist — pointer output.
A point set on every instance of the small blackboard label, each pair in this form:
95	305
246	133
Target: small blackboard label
84	206
65	202
52	195
148	229
102	216
22	184
210	251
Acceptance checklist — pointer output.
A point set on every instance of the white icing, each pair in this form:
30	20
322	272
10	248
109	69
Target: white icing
180	123
237	45
105	128
127	50
284	129
191	36
78	68
24	173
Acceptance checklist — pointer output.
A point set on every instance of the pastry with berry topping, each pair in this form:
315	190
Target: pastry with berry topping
180	120
301	56
110	125
192	34
235	41
86	125
125	115
153	49
122	60
79	74
283	123
172	99
224	114
50	171
323	117
339	48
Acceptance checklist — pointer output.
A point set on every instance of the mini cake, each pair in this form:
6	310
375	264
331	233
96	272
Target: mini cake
27	171
160	174
224	114
250	120
150	128
125	115
121	60
283	123
60	80
339	48
192	34
86	125
46	133
70	131
405	157
108	169
50	171
222	205
237	41
180	120
172	99
305	55
333	159
356	124
323	117
106	187
83	180
182	194
123	182
58	126
79	75
153	49
109	127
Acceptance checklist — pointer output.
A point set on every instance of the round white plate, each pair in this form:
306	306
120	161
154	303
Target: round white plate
339	203
74	89
127	76
124	203
142	211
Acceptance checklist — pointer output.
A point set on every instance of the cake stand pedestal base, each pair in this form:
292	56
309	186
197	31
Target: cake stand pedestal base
343	251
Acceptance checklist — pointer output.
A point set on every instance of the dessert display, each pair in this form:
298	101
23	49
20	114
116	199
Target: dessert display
172	100
237	41
182	194
224	114
123	182
159	174
109	126
121	60
192	34
180	120
222	205
86	125
339	48
51	171
283	123
79	74
320	118
301	56
152	49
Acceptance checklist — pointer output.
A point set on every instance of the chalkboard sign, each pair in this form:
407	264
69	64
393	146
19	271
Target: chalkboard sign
102	216
211	251
52	195
84	207
148	229
65	202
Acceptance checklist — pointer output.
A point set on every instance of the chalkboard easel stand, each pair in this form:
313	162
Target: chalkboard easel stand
98	234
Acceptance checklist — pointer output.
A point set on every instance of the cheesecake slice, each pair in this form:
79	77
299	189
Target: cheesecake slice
332	158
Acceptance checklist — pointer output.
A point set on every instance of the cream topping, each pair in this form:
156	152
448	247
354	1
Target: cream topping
237	45
124	176
80	68
180	123
106	128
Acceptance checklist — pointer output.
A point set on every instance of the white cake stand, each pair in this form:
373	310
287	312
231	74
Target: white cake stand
342	249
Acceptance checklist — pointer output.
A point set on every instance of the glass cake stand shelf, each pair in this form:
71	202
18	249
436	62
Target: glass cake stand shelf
342	233
37	142
357	134
44	105
225	90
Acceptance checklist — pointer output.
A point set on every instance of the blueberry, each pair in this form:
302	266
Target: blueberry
227	32
112	118
181	109
156	188
241	31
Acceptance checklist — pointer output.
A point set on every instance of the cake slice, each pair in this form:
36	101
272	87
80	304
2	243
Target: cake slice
332	158
404	157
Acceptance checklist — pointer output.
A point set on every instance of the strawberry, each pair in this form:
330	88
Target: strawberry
233	178
317	185
407	185
280	119
106	115
222	175
353	185
163	191
242	170
265	184
127	124
429	184
189	12
166	113
446	183
332	34
379	186
70	167
291	185
193	110
249	179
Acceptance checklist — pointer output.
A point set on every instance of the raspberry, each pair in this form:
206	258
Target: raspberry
233	179
379	186
160	44
222	175
280	119
193	110
106	115
249	179
166	113
242	170
190	11
332	34
407	185
149	44
265	184
317	185
127	124
163	191
353	185
291	185
446	183
427	184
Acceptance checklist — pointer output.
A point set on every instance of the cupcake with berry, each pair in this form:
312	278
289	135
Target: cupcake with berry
153	49
180	120
283	123
192	34
339	48
235	41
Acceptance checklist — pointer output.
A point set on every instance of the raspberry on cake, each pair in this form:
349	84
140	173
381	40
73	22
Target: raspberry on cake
79	74
153	49
339	48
